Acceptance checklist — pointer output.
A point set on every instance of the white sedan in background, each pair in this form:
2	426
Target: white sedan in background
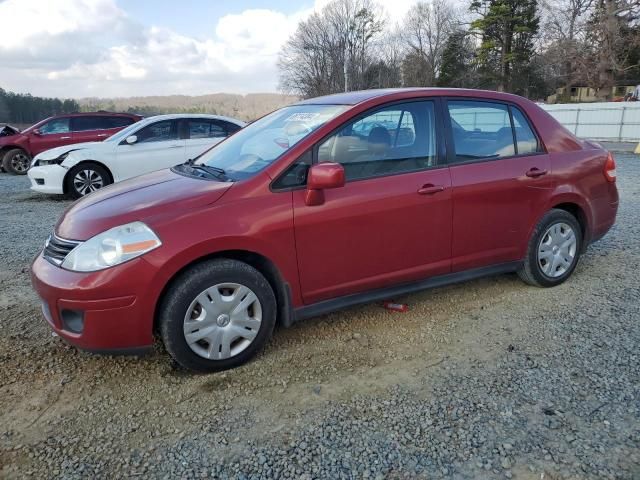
150	144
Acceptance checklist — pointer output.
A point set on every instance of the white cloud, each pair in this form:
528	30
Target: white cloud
93	48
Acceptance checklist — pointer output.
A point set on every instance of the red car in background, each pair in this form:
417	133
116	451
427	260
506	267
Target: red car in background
321	205
17	148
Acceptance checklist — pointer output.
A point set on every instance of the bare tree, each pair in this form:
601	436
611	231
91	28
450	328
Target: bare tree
427	28
564	28
388	53
614	36
331	48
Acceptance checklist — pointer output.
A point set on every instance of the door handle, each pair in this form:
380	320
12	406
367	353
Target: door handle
101	135
430	189
65	138
535	172
174	146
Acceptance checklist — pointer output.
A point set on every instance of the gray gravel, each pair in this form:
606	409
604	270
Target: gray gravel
490	379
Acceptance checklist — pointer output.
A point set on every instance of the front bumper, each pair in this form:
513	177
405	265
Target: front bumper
47	179
106	312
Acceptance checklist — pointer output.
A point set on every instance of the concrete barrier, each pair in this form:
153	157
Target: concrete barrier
606	121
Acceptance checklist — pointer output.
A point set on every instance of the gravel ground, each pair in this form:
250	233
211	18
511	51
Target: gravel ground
489	379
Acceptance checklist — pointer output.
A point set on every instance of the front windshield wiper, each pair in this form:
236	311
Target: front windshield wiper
214	171
191	161
209	168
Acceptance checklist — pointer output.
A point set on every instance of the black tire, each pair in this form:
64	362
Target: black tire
531	271
16	161
89	170
189	285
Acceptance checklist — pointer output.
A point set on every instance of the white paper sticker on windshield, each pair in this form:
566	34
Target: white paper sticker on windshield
301	117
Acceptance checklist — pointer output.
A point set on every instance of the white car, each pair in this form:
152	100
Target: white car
150	144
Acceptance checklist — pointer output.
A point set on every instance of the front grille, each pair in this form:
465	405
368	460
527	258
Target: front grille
56	249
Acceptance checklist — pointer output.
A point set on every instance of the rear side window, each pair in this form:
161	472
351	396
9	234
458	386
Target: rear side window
117	122
82	124
526	141
158	132
396	139
199	128
59	125
480	130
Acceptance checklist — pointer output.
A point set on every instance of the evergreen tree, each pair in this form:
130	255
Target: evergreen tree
26	109
507	29
457	68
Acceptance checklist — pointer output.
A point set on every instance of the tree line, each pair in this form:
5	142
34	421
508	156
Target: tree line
527	47
26	109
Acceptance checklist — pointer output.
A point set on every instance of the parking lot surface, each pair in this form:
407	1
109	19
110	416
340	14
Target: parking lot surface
487	379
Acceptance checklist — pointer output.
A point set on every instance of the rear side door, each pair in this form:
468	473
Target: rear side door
500	178
88	128
157	146
54	133
201	134
391	222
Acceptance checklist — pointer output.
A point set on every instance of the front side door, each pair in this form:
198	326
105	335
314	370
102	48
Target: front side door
202	133
54	133
391	222
157	146
500	177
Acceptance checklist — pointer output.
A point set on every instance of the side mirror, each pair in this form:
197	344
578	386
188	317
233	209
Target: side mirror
131	139
37	132
321	177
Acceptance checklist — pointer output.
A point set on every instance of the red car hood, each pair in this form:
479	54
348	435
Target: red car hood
147	198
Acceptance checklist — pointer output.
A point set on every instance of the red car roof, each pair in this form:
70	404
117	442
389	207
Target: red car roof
356	97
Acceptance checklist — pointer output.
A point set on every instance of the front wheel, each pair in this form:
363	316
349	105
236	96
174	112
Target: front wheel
217	315
86	178
553	251
16	161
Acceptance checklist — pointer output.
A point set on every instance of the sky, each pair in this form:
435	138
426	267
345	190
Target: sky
122	48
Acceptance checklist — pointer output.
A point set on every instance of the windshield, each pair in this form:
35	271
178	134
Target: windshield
258	144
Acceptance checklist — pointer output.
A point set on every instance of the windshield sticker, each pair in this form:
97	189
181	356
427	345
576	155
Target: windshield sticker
301	117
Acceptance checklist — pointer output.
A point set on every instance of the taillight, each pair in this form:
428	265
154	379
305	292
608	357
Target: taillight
610	169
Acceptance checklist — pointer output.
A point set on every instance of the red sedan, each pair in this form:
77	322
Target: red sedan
328	203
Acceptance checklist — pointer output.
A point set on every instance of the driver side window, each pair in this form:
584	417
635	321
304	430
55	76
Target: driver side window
397	139
158	132
59	125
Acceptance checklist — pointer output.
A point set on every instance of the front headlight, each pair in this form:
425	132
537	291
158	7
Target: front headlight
112	247
52	161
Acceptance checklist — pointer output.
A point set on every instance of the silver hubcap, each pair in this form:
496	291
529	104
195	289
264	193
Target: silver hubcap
20	162
87	181
557	250
222	321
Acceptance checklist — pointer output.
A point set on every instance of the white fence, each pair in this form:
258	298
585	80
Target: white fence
610	121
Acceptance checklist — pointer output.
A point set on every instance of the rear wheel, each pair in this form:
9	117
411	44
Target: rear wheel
16	161
86	178
553	251
217	315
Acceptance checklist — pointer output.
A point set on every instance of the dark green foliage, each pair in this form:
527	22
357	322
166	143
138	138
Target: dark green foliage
26	109
507	29
458	67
